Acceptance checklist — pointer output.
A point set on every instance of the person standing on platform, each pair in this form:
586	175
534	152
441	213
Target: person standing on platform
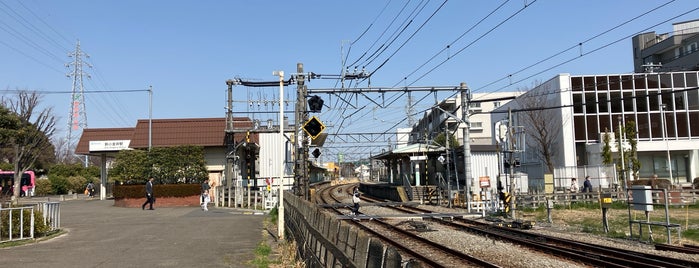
587	187
574	188
150	199
355	201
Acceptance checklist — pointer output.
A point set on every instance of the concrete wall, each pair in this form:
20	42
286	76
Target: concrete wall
325	241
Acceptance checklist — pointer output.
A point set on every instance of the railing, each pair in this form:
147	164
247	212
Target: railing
408	187
13	229
245	197
52	214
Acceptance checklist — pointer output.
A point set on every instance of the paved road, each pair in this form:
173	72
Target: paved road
101	235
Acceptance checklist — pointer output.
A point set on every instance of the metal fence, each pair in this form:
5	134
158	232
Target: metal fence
601	177
52	214
17	223
12	222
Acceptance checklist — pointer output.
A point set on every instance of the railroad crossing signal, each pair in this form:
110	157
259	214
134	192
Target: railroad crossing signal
313	127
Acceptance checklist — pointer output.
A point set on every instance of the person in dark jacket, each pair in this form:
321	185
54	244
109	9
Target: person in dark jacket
150	199
587	187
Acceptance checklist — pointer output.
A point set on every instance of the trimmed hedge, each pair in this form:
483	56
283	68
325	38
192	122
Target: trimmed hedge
159	190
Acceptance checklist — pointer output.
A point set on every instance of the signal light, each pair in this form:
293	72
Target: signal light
315	104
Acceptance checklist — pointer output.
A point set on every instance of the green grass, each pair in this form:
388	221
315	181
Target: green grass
30	241
588	219
262	252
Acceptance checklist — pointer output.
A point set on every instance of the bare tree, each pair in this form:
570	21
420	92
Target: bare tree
33	137
64	151
538	115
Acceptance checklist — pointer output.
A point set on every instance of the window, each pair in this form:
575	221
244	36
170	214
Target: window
475	106
496	104
476	124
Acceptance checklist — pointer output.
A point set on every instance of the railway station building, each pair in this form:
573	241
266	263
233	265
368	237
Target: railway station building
209	133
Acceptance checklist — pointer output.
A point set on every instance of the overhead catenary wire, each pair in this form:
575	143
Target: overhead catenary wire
614	28
508	76
379	37
409	38
453	42
474	41
595	50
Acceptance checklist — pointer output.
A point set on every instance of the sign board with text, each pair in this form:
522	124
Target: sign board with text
109	145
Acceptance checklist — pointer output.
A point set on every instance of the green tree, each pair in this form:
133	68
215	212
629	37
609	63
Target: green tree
75	169
607	158
131	166
440	140
630	160
9	124
31	140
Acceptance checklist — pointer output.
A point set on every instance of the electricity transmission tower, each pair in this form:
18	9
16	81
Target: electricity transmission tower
77	118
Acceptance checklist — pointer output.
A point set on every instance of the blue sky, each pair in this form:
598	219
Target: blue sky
186	50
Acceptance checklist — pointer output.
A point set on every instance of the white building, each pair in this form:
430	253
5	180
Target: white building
663	106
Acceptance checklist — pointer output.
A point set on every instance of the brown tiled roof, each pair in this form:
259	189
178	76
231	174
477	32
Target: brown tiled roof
169	132
192	131
101	134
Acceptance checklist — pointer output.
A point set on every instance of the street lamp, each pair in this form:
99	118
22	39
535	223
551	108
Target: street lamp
282	153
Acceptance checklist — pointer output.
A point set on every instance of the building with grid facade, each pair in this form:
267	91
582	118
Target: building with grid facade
663	106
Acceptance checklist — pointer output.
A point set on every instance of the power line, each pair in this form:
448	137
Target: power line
474	41
409	38
381	35
574	46
453	42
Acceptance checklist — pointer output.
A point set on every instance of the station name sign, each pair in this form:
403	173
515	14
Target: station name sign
110	145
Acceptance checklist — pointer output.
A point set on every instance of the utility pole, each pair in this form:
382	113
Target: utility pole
301	167
282	152
465	100
511	149
231	157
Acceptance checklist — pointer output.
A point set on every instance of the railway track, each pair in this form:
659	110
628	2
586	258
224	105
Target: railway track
688	249
570	249
417	249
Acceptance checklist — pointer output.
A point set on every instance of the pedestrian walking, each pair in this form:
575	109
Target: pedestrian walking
150	199
90	189
205	197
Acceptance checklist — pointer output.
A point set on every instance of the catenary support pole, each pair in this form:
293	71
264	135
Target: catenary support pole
282	153
465	99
